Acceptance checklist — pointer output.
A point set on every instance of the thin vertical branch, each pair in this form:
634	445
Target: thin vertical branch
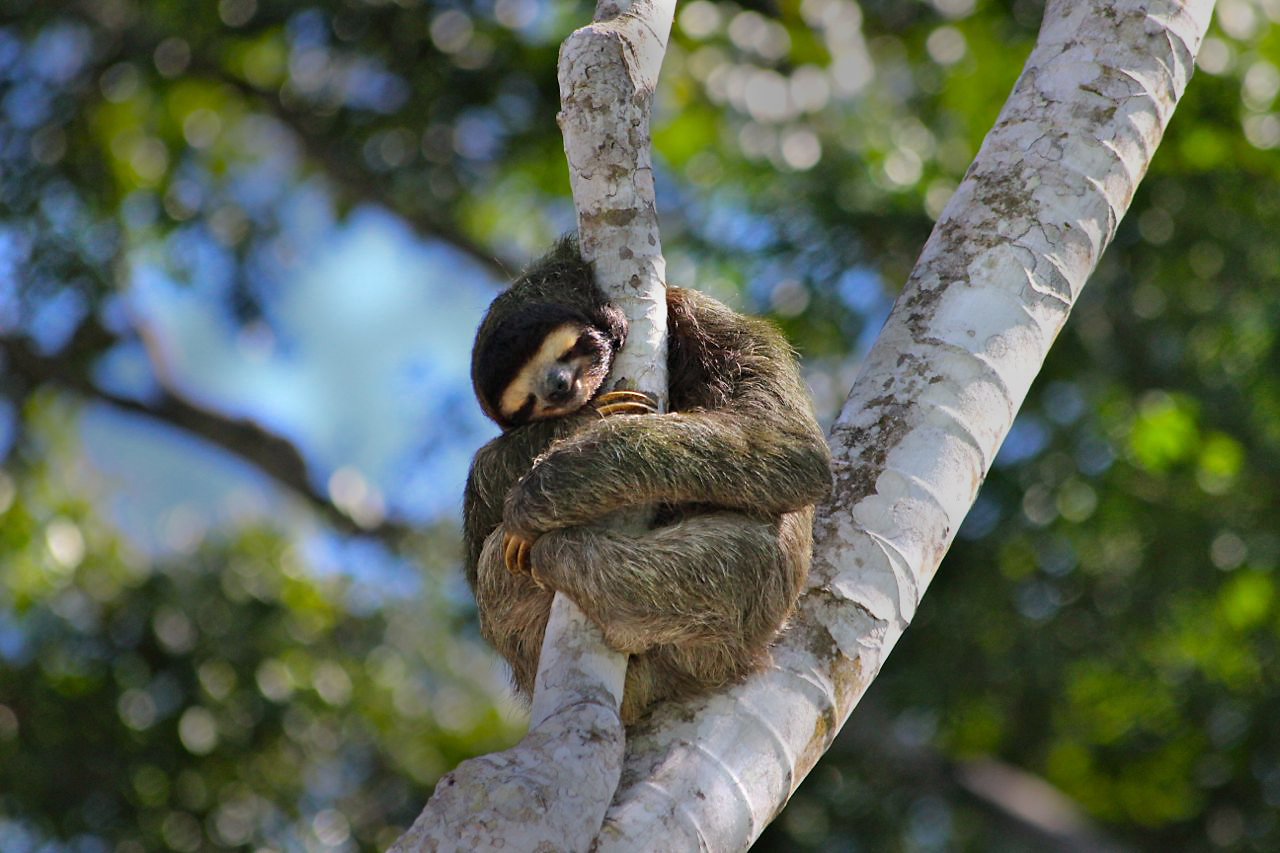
550	791
608	72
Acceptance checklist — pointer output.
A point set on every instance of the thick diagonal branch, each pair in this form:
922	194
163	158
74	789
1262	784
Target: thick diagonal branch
934	400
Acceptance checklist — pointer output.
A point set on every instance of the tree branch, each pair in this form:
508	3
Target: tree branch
935	398
269	453
523	798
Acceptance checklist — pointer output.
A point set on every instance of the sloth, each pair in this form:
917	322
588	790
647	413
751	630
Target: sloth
734	470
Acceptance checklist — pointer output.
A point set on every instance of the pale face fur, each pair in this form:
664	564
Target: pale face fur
558	379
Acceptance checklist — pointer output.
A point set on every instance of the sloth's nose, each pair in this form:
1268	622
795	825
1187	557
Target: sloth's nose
560	385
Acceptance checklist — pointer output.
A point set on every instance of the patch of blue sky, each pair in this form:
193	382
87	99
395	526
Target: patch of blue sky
370	86
733	226
16	836
55	317
15	248
202	263
63	209
385	576
165	489
478	134
307	28
125	371
167	492
543	21
874	322
256	185
1063	402
15	640
8	427
375	377
11	48
1027	437
860	288
138	210
59	52
27	104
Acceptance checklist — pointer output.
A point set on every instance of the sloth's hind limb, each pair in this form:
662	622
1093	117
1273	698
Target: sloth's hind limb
696	603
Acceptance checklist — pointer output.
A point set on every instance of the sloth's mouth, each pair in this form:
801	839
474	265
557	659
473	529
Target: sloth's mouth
559	396
561	403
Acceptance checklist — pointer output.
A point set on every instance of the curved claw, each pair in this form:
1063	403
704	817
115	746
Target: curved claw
515	553
624	394
625	409
625	403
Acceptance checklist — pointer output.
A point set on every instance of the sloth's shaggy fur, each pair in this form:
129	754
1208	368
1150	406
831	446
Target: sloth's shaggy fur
735	468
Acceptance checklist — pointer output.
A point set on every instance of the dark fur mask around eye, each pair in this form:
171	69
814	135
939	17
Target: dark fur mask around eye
511	345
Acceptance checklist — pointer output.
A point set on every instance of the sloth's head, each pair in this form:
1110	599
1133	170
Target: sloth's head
546	345
542	361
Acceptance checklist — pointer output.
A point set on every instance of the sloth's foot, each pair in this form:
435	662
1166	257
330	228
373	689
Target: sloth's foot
625	403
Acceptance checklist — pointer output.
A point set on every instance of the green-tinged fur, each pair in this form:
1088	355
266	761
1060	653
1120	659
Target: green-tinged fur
735	468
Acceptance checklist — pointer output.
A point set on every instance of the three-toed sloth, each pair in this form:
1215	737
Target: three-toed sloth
734	469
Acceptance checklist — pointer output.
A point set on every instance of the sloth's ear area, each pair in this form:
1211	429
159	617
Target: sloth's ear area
609	319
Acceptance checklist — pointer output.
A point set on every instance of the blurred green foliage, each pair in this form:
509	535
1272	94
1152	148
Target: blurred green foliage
1106	621
224	698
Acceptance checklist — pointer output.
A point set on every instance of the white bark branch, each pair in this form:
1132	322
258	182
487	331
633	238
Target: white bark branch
935	399
608	72
550	791
932	404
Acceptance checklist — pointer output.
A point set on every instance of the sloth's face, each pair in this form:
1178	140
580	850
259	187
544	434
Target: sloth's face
560	377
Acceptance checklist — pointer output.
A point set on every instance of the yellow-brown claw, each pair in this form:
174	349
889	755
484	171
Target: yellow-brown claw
625	403
515	553
625	394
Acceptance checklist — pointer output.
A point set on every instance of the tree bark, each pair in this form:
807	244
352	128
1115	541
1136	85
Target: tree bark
550	791
931	406
608	72
934	400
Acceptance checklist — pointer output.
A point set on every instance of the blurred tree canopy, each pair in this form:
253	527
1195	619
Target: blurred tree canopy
231	613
